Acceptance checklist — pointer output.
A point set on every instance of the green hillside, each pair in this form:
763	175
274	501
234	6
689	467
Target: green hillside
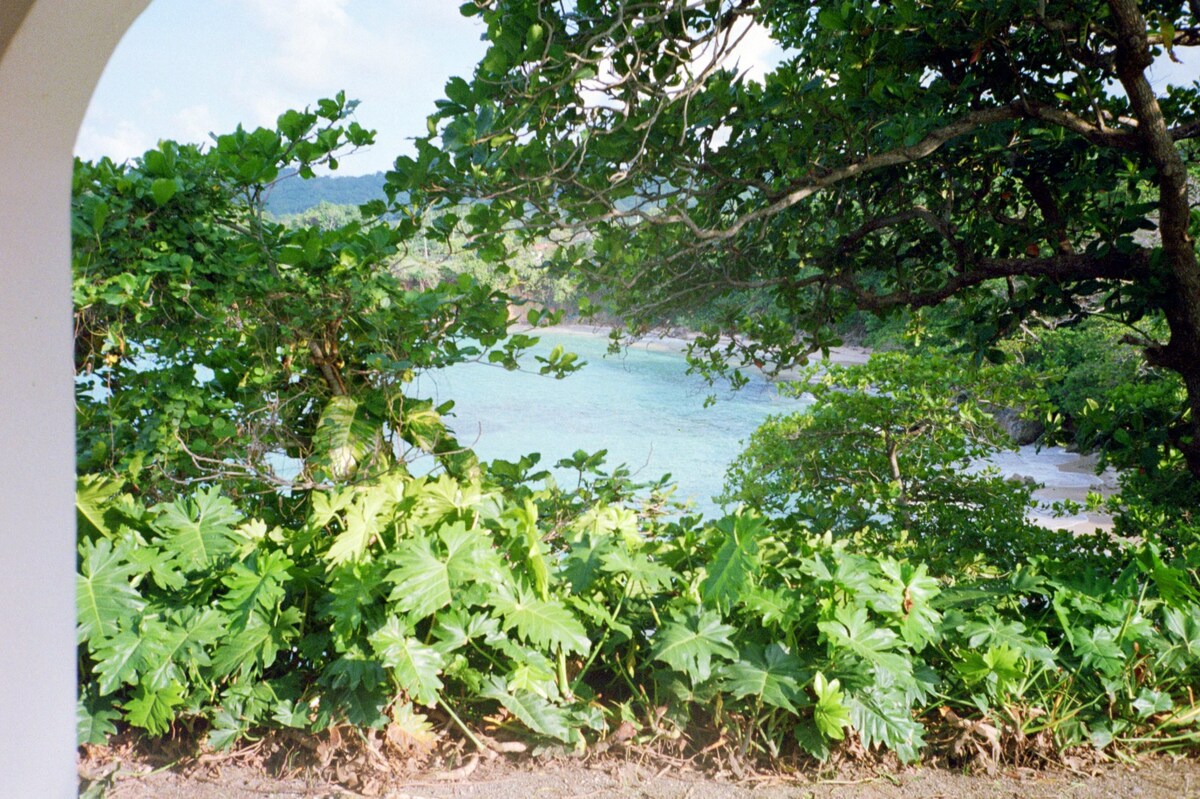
294	195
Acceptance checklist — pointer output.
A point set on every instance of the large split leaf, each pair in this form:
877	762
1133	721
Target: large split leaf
689	642
255	647
415	665
154	710
730	571
882	717
541	622
104	595
534	711
772	674
93	502
852	631
347	435
428	570
362	522
255	587
830	714
199	530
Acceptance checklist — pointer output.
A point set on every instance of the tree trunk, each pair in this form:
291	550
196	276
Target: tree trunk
1182	351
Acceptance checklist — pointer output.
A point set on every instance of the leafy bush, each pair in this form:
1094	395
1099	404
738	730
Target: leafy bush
407	600
888	454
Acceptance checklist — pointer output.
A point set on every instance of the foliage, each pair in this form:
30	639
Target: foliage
1010	156
887	454
462	597
1087	369
216	346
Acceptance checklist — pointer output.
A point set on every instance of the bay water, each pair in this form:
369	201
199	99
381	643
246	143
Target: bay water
640	405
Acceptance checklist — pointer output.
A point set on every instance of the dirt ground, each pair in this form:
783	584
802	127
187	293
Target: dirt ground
627	779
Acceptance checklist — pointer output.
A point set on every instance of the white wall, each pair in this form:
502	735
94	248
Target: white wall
47	74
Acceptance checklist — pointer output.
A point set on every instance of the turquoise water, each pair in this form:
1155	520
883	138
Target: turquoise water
641	406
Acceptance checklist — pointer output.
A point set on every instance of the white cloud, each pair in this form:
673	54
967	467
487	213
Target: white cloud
120	140
311	37
757	53
194	123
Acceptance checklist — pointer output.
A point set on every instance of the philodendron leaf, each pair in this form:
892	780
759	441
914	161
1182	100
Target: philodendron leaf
773	675
362	520
198	530
829	713
103	592
913	591
421	578
540	622
346	436
154	711
93	496
852	631
883	717
534	711
256	586
415	665
730	570
94	722
689	642
425	577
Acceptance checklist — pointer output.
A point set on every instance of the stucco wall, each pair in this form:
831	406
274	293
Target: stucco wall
49	66
11	14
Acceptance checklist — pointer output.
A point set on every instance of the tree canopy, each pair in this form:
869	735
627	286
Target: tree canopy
216	346
1012	158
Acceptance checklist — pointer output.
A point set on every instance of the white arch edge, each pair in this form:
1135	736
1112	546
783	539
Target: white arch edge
48	72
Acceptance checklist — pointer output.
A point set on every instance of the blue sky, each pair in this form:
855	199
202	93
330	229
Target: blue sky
190	67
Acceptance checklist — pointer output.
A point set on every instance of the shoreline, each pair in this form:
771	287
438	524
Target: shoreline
1078	476
678	343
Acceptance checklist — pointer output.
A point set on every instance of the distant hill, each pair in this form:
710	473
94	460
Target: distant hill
295	195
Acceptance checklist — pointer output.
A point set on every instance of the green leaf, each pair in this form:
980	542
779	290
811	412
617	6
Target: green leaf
689	642
852	631
225	730
255	648
104	596
812	741
363	521
93	497
534	711
346	435
1184	628
256	586
456	628
1149	702
773	675
164	189
998	665
154	711
120	658
94	722
913	590
362	705
199	530
181	644
644	574
541	622
1099	649
730	570
990	629
415	665
829	713
425	580
882	717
